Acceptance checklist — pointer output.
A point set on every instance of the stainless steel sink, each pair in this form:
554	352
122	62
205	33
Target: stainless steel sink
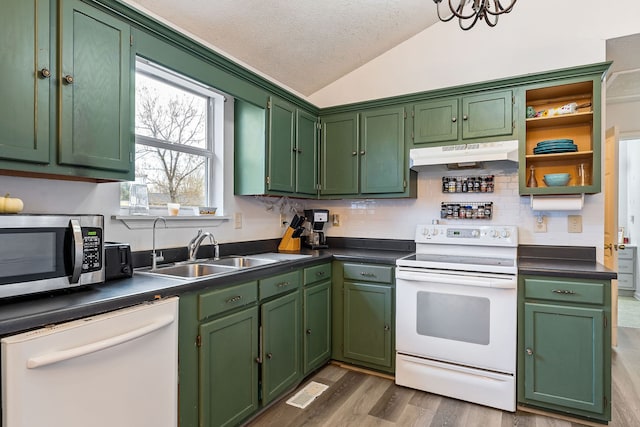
240	262
192	270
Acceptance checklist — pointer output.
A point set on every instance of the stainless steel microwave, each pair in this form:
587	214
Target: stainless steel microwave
41	253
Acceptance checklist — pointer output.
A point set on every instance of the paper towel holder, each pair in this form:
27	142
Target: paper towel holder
557	202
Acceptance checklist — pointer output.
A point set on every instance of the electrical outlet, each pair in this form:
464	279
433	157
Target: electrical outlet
540	224
238	219
574	223
283	221
336	220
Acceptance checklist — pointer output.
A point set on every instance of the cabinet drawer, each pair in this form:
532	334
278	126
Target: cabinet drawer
625	253
625	281
219	301
279	284
561	290
368	272
625	266
316	273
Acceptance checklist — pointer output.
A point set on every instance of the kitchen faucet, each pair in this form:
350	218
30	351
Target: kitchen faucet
195	243
155	257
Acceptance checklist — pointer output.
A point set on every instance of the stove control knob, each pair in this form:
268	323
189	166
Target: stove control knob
504	234
494	233
434	231
475	233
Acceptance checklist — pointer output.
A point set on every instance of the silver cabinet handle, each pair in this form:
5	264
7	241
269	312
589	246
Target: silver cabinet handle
529	352
45	73
354	153
308	331
563	292
269	355
365	274
234	299
454	119
362	153
465	117
386	327
68	79
320	273
282	284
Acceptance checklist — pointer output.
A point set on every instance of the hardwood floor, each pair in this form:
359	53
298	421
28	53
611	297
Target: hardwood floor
358	399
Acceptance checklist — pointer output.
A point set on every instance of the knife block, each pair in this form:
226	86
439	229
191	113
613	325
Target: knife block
288	242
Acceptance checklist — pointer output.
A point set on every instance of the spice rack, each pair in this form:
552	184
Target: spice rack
468	184
466	210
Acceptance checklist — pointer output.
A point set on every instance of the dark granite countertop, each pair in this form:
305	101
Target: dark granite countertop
562	261
30	312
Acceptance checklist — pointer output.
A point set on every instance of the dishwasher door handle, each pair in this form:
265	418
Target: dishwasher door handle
61	356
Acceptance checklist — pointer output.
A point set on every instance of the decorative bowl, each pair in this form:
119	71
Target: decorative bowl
556	179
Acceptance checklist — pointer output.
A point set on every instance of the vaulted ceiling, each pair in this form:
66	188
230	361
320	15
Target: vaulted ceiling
303	44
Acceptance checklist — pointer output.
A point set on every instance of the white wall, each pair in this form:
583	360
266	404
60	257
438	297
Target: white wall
536	36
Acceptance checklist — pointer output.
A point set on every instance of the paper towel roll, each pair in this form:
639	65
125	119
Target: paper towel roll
557	203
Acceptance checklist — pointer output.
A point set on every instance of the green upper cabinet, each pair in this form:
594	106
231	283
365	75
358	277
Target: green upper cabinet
94	76
363	154
382	153
580	122
451	120
68	111
339	166
27	62
275	149
282	146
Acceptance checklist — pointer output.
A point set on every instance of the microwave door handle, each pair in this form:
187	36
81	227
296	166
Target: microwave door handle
77	250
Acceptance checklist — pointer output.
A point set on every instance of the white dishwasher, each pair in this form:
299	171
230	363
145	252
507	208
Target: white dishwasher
114	369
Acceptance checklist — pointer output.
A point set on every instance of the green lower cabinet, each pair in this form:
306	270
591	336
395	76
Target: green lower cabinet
317	325
281	335
228	369
563	358
564	342
367	323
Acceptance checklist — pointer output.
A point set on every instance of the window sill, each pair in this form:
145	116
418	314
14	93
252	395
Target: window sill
138	222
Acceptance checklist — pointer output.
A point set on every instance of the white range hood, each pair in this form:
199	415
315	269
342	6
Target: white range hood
464	155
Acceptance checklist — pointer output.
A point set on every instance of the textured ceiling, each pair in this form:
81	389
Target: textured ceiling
303	44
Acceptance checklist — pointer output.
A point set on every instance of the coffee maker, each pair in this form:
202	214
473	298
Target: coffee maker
316	218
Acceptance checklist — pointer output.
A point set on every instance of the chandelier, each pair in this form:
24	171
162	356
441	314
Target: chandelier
469	12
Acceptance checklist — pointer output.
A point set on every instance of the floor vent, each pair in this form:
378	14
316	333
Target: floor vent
304	397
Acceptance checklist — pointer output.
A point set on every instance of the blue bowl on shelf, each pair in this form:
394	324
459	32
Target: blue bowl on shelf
556	179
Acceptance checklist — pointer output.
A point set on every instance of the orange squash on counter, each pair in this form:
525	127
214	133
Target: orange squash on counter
10	204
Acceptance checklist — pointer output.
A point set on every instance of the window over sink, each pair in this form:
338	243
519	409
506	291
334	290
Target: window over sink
178	138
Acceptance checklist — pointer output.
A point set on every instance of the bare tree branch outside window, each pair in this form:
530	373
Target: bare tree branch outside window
173	118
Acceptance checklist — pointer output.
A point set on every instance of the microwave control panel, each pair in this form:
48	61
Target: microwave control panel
91	249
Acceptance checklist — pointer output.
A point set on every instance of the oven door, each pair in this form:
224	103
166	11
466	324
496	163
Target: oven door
457	317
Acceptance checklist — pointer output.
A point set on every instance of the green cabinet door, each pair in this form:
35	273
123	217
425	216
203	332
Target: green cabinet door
281	146
306	153
94	65
25	70
564	357
367	323
382	163
435	121
317	325
339	173
228	369
487	114
281	345
249	148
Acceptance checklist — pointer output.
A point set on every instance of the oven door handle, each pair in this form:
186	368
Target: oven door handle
458	279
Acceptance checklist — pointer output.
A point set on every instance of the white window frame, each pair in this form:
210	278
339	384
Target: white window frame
214	150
